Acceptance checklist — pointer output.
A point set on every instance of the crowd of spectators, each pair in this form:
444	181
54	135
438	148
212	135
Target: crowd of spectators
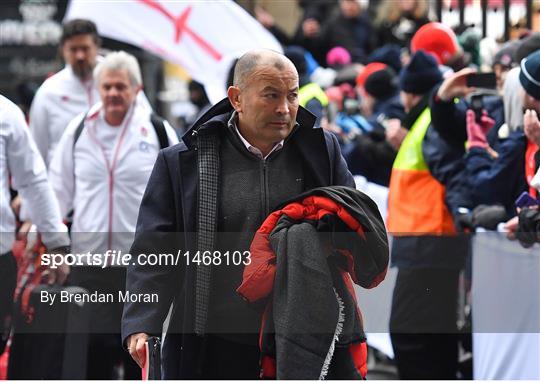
455	154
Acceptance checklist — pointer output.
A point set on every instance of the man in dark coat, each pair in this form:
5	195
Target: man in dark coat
211	192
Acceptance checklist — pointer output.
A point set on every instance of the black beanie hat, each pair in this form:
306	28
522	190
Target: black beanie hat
297	55
421	75
382	83
389	54
529	76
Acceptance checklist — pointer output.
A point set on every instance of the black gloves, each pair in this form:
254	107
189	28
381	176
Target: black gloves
484	216
529	227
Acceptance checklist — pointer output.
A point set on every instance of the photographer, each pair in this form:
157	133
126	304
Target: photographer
485	138
503	178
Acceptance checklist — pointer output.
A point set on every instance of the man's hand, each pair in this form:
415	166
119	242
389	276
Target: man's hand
57	275
135	345
531	126
16	205
395	134
511	227
456	85
25	228
60	274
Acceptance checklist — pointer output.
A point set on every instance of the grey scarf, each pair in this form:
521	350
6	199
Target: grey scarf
208	159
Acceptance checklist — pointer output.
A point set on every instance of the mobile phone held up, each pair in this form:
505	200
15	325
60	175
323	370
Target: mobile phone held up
482	80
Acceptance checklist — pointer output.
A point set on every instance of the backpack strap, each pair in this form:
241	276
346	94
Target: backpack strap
156	120
79	130
159	127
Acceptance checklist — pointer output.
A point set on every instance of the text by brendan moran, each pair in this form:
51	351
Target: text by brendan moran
96	297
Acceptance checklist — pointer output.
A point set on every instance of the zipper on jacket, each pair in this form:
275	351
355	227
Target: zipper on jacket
111	206
264	189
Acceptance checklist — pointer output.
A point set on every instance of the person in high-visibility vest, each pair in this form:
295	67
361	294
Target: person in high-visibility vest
424	248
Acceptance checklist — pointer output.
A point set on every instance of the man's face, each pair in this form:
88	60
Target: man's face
500	75
117	93
367	102
408	100
267	104
80	53
530	102
350	8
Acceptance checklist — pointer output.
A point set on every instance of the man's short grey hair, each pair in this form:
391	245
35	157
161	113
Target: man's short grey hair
118	61
252	60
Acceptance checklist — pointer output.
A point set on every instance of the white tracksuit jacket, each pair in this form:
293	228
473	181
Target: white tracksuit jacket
105	194
20	159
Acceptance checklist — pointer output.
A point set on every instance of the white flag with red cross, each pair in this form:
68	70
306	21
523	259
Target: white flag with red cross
204	37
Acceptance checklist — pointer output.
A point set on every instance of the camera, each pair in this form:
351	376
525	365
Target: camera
477	105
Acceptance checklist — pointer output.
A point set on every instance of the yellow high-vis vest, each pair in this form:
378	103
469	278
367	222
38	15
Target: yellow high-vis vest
310	91
416	203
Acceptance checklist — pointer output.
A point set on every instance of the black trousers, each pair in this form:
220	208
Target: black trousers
225	359
105	350
423	323
8	281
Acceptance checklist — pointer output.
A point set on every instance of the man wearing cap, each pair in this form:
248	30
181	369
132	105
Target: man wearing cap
426	252
529	78
504	60
374	152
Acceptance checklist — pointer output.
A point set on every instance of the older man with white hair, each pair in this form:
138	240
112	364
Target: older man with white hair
100	171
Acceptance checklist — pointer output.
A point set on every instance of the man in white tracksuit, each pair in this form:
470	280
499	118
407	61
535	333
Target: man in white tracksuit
99	170
69	92
20	159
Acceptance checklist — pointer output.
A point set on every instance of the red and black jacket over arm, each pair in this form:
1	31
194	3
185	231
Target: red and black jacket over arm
305	258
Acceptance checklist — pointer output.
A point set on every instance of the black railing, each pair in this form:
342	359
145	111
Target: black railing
438	8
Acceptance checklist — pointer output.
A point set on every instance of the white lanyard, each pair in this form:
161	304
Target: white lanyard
111	166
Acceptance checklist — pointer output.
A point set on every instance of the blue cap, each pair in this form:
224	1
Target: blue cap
529	75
